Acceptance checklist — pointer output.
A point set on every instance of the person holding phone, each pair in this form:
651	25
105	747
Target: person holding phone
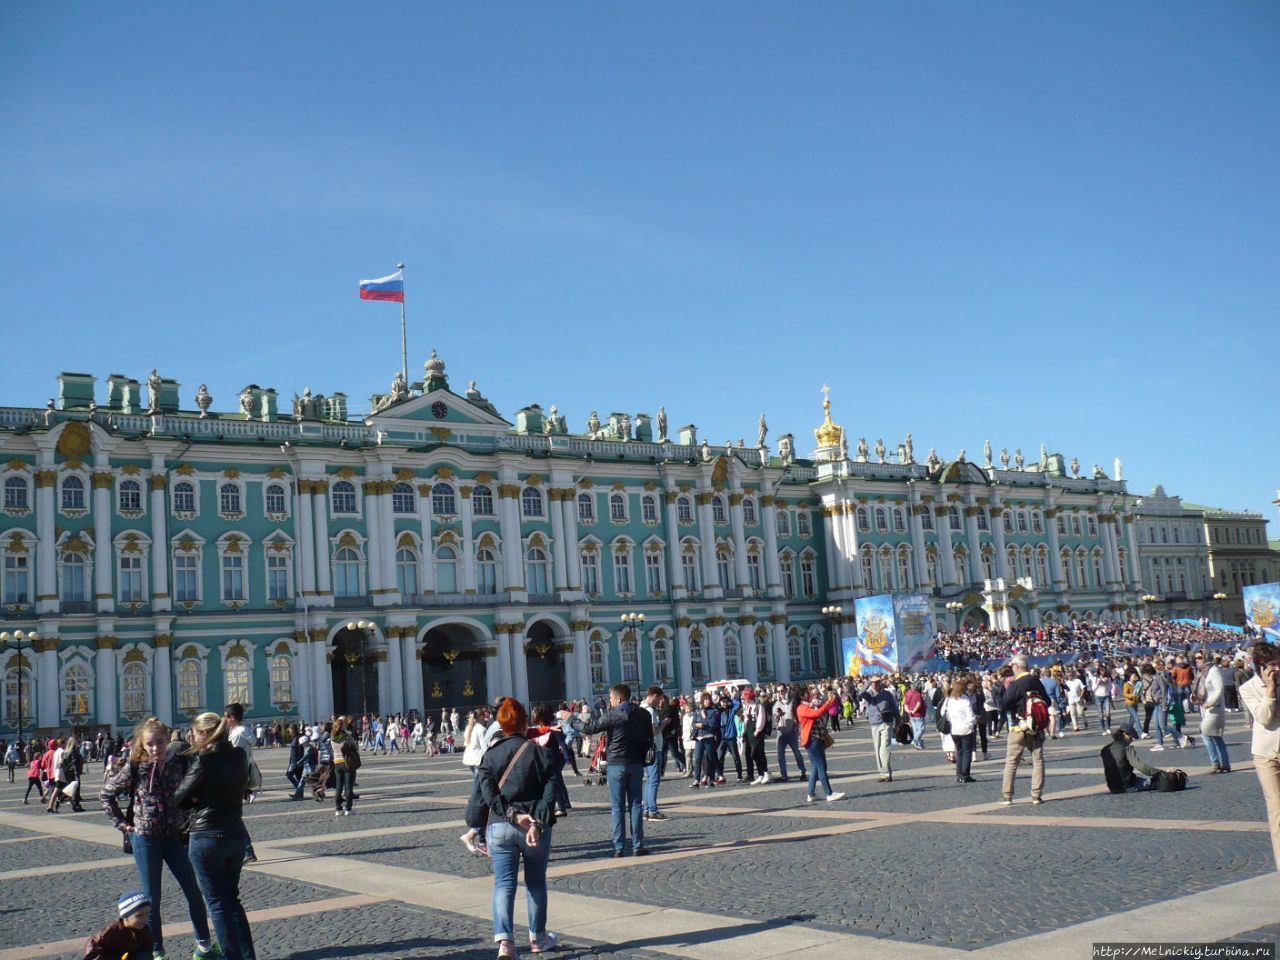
1258	695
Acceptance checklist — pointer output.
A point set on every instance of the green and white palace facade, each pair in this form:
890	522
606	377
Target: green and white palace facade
434	554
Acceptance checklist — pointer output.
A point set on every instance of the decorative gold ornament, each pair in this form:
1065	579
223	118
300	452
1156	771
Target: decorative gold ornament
829	434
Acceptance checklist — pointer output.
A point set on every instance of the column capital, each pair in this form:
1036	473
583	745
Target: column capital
777	618
46	645
685	622
162	640
158	481
102	481
106	642
46	478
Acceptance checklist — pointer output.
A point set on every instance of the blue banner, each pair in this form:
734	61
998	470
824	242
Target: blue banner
876	650
913	624
1262	608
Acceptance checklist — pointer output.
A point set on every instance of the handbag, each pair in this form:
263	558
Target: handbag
944	722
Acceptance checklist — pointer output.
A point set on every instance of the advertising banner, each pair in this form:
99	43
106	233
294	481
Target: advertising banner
913	629
1262	608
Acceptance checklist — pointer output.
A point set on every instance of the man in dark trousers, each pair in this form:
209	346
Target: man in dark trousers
1022	740
1121	763
630	731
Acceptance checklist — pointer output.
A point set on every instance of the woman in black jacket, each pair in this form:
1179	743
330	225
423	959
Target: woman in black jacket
516	782
214	790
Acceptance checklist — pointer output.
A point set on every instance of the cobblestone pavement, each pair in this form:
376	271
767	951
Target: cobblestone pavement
935	867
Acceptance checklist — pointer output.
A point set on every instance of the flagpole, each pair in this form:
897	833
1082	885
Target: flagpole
404	337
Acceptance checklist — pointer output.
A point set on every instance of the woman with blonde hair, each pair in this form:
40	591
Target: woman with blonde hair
214	790
67	769
153	826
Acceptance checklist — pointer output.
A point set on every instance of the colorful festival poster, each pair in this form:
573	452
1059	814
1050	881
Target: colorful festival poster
1262	608
913	618
877	648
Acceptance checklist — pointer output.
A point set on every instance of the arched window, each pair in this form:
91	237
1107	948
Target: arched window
886	570
1061	520
281	679
407	572
684	510
697	664
15	493
1093	526
622	571
1082	574
988	564
133	688
864	524
443	501
403	499
630	661
184	497
1097	570
1075	524
531	502
1042	567
229	498
926	519
17	579
1022	521
17	696
586	507
815	652
1007	519
590	572
190	694
899	521
953	516
717	510
72	493
749	512
782	522
1012	557
754	575
882	520
653	572
787	566
535	567
794	659
724	567
344	497
661	662
73	578
984	522
868	568
649	508
597	659
481	500
1067	572
129	495
808	575
276	501
1037	522
732	656
236	680
762	656
931	564
446	569
689	567
802	523
904	568
346	573
77	691
486	571
618	508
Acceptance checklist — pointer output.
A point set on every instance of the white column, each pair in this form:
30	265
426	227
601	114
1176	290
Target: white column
48	704
582	657
1106	535
322	677
997	534
493	666
46	570
384	682
674	575
918	555
386	516
948	559
162	678
512	544
737	524
519	663
573	571
104	601
374	548
558	556
849	530
395	675
428	571
320	524
411	667
683	658
106	682
773	569
303	692
975	543
781	660
499	671
832	547
1055	549
160	600
716	642
468	542
306	536
707	533
1135	571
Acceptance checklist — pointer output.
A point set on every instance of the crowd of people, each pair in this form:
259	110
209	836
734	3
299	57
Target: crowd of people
177	796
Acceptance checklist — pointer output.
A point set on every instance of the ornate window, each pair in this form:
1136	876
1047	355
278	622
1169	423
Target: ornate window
622	570
535	569
931	565
344	497
236	680
17	695
190	685
481	500
407	572
661	662
754	575
1037	522
531	502
1022	521
129	496
1042	567
1007	519
886	570
762	656
233	578
72	493
129	578
1082	573
749	512
899	521
346	572
684	510
815	650
803	526
486	571
787	566
904	568
649	508
17	579
882	520
697	663
133	688
403	499
586	508
184	497
72	579
1093	526
953	517
926	519
1097	569
77	691
988	563
724	566
1075	524
718	514
596	655
444	503
689	567
630	661
281	679
446	569
229	500
732	656
868	564
186	576
276	500
653	572
1012	557
1067	572
794	659
1061	521
15	493
279	585
984	522
782	521
808	575
617	508
590	572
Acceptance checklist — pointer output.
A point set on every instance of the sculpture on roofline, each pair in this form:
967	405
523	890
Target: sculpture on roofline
593	426
960	455
706	451
625	424
662	424
246	402
153	392
880	449
932	461
1018	459
909	450
204	400
1099	473
1119	469
785	449
1004	458
1044	457
986	454
862	450
762	432
1075	466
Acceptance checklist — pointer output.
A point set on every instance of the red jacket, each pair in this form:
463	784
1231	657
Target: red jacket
807	714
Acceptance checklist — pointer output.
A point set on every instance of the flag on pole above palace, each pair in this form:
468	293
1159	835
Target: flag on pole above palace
387	288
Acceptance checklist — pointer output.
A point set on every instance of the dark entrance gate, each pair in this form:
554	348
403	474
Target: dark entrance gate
355	674
544	659
453	670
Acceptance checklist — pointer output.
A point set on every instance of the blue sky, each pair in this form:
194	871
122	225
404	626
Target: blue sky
1025	222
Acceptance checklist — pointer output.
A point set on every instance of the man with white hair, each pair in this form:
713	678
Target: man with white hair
1028	706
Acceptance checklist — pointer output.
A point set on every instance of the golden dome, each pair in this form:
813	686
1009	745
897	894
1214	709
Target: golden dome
829	434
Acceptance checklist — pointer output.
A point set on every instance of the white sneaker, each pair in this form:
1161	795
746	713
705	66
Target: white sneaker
838	795
337	813
808	798
1157	747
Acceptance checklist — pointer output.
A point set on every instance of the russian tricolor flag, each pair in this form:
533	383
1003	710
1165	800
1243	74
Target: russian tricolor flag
387	288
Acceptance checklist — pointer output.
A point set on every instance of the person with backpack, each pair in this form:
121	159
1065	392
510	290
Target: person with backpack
153	827
784	722
346	761
1155	692
729	708
706	734
915	707
1028	704
812	715
757	725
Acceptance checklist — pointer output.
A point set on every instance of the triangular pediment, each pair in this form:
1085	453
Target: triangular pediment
439	408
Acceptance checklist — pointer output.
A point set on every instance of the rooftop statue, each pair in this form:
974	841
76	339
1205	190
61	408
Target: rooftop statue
662	424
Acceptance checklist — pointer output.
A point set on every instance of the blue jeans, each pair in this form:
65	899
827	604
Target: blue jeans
1217	748
507	847
817	765
1134	717
149	856
1104	712
917	732
704	759
789	739
652	777
217	856
624	794
343	781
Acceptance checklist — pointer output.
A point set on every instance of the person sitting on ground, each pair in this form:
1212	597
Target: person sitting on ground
126	936
1122	765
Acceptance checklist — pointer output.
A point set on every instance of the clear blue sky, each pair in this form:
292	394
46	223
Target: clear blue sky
1048	222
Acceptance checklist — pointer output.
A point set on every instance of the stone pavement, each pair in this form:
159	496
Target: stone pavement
920	867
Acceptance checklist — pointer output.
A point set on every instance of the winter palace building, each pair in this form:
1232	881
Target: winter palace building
435	554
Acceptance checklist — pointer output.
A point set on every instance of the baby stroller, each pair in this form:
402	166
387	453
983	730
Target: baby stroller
596	772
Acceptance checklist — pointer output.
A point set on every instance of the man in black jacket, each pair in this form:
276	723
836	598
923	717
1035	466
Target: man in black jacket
630	732
1021	741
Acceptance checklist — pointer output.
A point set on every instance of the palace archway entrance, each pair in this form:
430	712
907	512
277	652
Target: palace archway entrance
355	674
453	669
976	619
544	664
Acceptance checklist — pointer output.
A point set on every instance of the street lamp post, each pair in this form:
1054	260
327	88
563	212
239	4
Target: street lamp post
1220	597
631	622
1149	600
19	636
362	627
954	607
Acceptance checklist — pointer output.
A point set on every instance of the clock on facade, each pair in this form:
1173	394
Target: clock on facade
439	410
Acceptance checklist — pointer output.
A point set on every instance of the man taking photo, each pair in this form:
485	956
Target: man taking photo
630	732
